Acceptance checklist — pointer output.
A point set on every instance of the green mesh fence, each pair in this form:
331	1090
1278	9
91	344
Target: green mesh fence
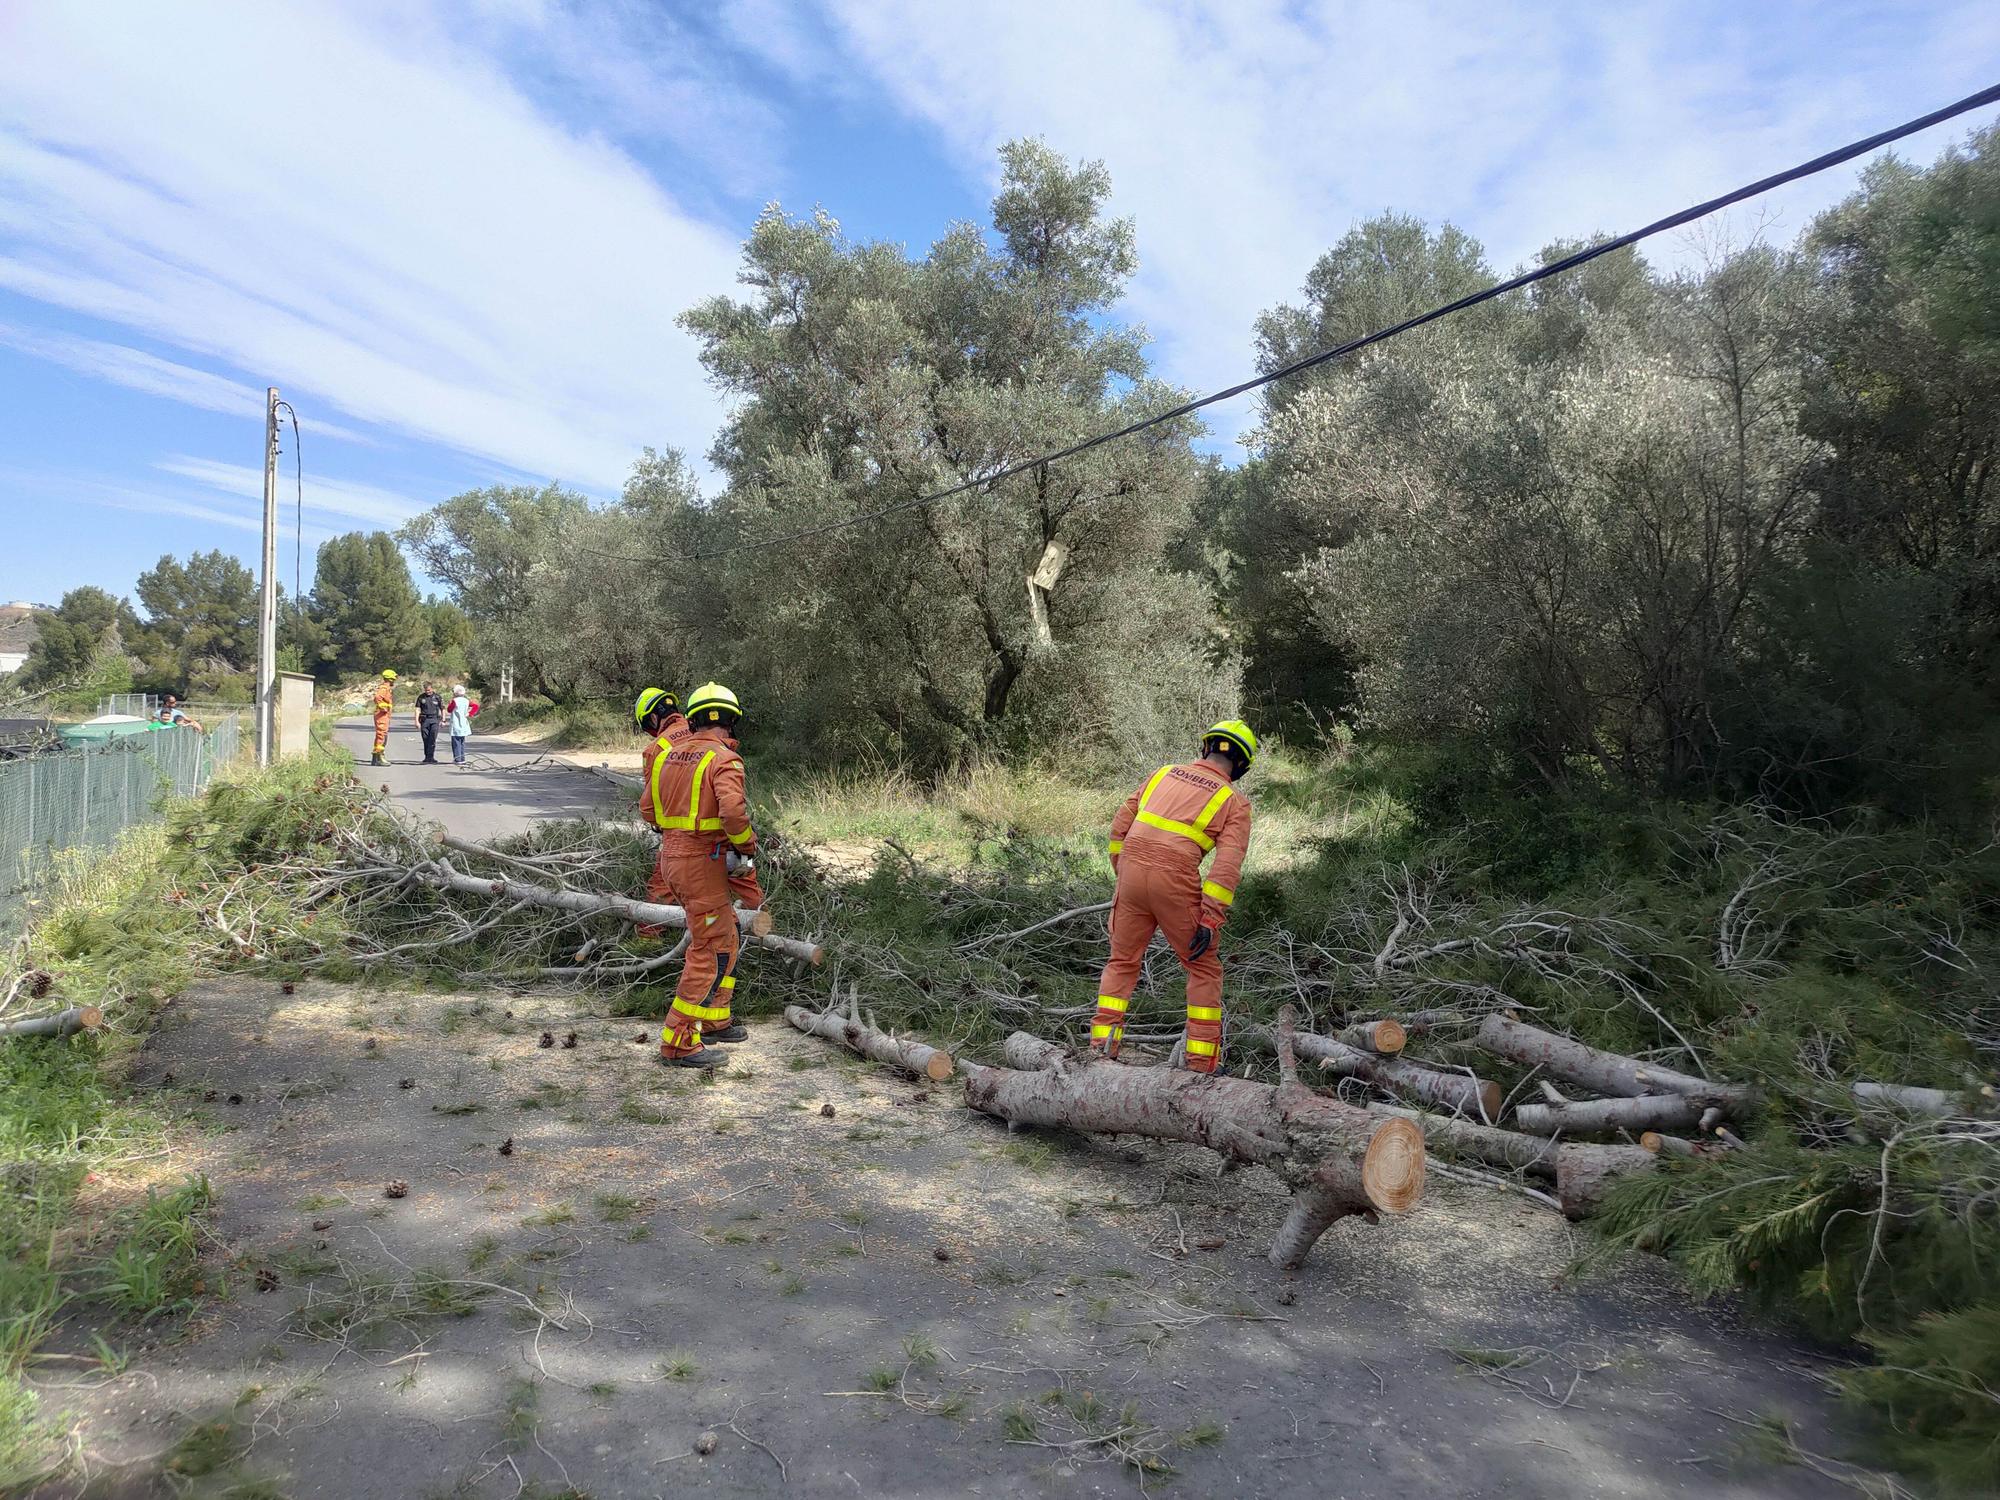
86	798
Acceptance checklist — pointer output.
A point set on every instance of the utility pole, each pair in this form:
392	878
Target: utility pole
267	609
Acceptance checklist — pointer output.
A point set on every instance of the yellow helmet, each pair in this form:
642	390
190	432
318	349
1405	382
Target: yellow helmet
650	700
388	674
712	703
1237	735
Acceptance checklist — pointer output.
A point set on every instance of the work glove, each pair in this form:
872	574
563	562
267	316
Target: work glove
1204	939
738	864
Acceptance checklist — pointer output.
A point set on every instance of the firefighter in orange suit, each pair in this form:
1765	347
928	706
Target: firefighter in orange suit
701	807
385	705
658	714
1158	841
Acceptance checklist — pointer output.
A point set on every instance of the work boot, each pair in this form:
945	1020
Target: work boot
735	1031
377	761
702	1059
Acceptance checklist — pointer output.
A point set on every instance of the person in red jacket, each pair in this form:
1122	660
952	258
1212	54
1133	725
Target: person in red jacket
701	807
1158	841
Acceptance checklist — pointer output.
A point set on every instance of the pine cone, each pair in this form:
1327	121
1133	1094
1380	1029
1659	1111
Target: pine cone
396	1189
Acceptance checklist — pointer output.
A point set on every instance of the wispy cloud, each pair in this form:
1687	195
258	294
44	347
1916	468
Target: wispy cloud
362	207
137	370
376	507
1245	136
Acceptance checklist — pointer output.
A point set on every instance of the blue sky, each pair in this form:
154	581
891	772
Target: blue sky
456	235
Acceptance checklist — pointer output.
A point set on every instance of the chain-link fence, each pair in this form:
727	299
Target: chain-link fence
49	803
136	705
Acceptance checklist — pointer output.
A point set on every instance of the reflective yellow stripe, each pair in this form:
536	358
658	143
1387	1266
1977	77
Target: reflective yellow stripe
1204	1013
659	765
692	818
1197	830
1220	893
729	981
1185	830
1098	1033
1118	846
742	838
701	1012
1112	1002
1214	805
1200	1049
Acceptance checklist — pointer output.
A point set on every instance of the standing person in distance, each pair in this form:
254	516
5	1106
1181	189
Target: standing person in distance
702	809
430	713
658	714
458	720
1158	841
385	705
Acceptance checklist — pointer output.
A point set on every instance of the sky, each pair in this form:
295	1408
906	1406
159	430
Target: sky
456	234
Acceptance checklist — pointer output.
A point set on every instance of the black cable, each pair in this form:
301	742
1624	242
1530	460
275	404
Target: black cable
1763	185
299	517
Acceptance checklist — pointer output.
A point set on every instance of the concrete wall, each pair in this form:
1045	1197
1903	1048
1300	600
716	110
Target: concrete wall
295	710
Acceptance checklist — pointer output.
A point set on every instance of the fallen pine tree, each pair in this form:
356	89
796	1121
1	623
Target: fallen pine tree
1338	1160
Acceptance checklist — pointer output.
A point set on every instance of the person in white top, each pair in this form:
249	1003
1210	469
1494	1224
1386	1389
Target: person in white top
458	717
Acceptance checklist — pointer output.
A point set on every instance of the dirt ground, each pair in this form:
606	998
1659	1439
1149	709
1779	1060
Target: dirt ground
855	1286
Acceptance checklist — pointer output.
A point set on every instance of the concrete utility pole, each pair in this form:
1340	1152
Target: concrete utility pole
267	608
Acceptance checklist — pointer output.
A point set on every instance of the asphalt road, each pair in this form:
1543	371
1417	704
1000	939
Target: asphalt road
502	788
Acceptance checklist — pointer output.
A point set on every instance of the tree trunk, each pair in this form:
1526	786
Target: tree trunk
1287	1128
62	1023
1585	1173
1499	1148
911	1056
1601	1072
1584	1117
589	903
1460	1092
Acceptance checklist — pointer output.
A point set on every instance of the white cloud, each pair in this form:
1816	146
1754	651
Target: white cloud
139	371
1246	136
360	210
378	508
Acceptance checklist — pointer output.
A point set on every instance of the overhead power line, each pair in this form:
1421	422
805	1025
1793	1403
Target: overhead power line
1570	262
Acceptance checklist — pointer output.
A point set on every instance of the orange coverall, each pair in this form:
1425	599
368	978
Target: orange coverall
675	728
1158	841
702	809
385	704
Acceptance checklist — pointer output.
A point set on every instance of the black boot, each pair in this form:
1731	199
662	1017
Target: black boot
733	1032
701	1059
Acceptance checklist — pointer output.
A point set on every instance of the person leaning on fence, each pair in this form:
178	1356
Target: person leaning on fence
430	713
458	716
173	715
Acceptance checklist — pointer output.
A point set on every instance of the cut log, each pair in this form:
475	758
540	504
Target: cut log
1487	1143
62	1023
1288	1128
898	1052
1460	1092
1383	1038
1599	1071
1667	1145
1585	1173
1590	1116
